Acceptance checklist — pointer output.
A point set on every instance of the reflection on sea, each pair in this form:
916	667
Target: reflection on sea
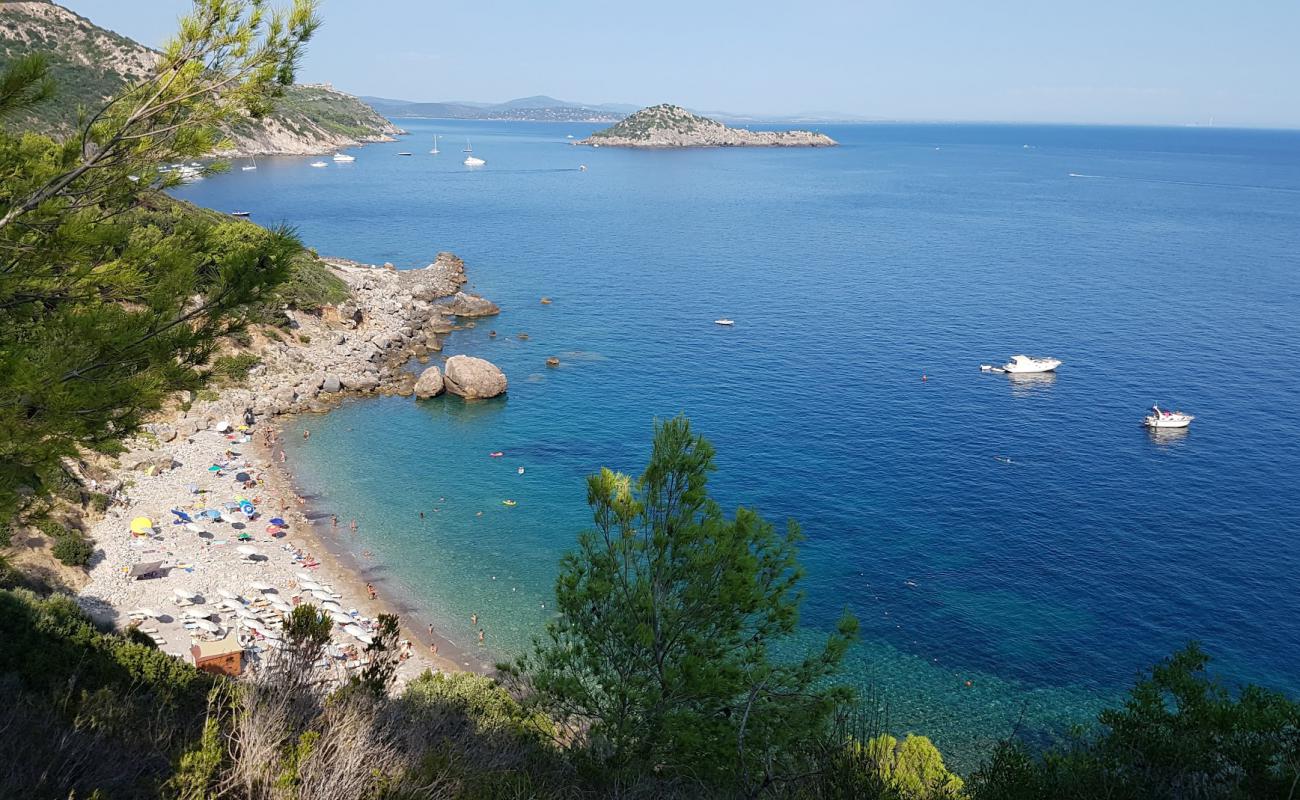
1025	384
1168	437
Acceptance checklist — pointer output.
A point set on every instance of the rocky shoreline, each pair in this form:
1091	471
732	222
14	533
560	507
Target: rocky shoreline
359	346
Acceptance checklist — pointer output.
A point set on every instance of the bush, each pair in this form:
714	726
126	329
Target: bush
6	534
100	502
230	369
73	550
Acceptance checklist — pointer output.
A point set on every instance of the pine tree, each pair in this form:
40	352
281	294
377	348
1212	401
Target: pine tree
110	297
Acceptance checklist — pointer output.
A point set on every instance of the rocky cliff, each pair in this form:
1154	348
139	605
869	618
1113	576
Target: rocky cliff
90	64
673	126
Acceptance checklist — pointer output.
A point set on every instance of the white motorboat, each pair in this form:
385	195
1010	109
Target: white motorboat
1160	418
344	158
473	161
724	321
250	167
319	164
1022	364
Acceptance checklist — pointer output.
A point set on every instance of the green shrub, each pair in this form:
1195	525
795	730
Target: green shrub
6	534
230	369
73	550
100	501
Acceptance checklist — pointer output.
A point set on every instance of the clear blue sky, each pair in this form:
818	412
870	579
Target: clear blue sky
1105	61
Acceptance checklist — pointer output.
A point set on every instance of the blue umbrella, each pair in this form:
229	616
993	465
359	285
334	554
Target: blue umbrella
278	521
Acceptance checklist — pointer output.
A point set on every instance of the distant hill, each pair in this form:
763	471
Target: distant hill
90	64
536	108
668	125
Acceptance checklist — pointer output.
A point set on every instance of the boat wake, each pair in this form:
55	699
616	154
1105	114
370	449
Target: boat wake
1202	184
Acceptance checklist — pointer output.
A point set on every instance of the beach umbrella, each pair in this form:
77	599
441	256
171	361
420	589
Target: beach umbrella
280	605
304	576
223	426
247	614
208	625
145	612
193	528
142	525
340	617
248	550
262	587
184	594
334	651
214	468
197	613
279	522
242	477
226	593
330	605
358	633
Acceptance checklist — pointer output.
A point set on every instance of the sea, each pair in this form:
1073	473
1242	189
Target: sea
1017	550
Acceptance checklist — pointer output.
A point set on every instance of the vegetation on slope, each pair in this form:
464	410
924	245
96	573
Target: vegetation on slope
664	116
92	64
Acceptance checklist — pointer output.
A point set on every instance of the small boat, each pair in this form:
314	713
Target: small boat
319	164
474	162
724	322
434	151
404	153
250	167
510	503
1160	418
240	213
468	147
344	158
496	454
1025	364
582	168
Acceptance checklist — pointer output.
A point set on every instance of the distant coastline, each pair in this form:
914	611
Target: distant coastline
668	126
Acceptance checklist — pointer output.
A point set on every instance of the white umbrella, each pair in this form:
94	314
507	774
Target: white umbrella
341	618
245	612
207	625
280	605
192	528
197	613
226	593
263	587
184	594
268	633
145	612
248	550
312	586
330	605
358	632
304	576
222	426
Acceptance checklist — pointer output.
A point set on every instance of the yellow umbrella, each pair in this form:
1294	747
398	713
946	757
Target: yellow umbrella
142	525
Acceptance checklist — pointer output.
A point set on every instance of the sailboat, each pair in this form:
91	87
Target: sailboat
250	167
434	151
467	149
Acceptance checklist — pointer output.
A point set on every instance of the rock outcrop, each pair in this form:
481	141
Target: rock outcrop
430	384
474	378
471	305
673	126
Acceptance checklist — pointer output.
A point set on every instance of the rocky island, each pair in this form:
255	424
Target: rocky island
667	125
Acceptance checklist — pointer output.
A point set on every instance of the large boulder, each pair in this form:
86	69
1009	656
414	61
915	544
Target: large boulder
474	378
471	305
430	384
331	384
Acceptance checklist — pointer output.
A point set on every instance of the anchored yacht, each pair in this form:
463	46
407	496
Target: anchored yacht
344	158
1024	365
1160	418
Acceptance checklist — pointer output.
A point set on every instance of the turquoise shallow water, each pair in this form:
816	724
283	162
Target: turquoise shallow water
1163	270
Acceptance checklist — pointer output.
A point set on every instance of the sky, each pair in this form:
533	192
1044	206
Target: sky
1160	62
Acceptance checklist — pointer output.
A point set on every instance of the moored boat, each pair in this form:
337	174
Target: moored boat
1160	418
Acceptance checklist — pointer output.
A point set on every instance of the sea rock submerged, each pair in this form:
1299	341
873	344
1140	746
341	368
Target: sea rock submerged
474	378
430	384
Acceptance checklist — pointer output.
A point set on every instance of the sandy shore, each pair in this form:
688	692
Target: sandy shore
206	559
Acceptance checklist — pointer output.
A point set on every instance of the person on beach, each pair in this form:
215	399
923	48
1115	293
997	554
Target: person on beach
433	648
430	630
370	589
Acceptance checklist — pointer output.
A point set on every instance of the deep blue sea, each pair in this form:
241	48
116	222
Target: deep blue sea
1161	265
